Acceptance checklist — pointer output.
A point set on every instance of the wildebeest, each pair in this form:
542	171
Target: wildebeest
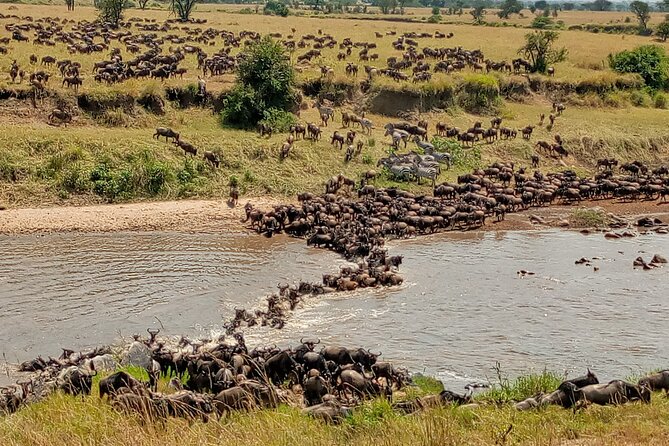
280	366
75	380
187	147
212	158
615	392
112	383
167	133
656	381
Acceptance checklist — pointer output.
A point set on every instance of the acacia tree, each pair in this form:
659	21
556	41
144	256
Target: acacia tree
111	11
70	5
600	5
387	5
642	12
478	12
142	3
509	7
539	50
183	8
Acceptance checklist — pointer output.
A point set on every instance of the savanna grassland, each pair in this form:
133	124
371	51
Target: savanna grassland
608	114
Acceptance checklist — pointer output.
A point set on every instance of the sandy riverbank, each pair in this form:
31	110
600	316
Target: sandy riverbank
217	215
185	215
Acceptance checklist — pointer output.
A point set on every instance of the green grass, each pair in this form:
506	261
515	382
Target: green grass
75	421
588	218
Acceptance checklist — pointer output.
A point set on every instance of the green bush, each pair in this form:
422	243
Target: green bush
188	172
463	159
273	7
279	120
650	61
156	177
542	22
240	107
265	81
434	19
640	98
661	100
480	92
106	183
74	179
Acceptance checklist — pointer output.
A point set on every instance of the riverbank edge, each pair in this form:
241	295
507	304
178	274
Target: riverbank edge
219	215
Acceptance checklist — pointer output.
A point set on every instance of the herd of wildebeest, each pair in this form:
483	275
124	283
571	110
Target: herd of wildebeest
353	218
213	378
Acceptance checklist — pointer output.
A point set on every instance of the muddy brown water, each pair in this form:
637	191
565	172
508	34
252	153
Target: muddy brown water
462	309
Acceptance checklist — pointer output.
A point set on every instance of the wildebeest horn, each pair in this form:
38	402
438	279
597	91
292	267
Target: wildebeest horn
301	341
319	341
375	354
153	332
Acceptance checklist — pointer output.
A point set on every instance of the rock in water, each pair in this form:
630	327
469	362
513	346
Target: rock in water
138	355
658	259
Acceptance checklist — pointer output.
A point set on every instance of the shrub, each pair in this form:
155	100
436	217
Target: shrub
434	19
240	107
156	177
542	23
640	98
480	92
273	7
73	179
661	100
265	81
188	172
662	30
650	61
105	183
279	120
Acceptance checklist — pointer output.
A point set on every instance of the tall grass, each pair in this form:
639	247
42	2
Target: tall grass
77	421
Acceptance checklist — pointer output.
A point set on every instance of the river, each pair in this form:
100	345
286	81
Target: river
462	308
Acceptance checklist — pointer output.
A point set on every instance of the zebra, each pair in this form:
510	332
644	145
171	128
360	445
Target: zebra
366	125
401	171
426	146
425	172
441	157
325	112
430	162
397	135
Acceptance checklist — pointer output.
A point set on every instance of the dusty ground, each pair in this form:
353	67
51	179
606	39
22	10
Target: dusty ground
201	215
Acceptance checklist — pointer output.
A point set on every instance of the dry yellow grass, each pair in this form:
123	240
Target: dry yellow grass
586	50
76	422
625	132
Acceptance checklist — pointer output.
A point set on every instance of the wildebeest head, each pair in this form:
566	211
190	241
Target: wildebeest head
572	394
365	357
309	343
